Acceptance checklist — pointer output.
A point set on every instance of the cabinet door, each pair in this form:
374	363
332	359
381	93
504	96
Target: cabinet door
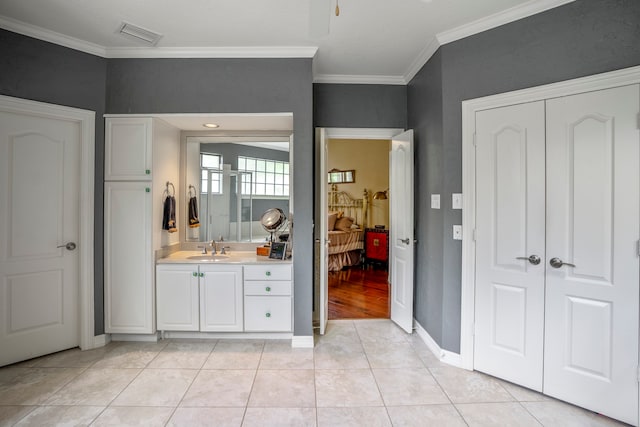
128	263
128	149
221	298
268	313
177	298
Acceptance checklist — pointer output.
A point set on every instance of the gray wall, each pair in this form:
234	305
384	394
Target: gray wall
41	71
359	106
235	86
578	39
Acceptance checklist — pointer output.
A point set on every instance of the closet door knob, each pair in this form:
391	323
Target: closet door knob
68	246
557	263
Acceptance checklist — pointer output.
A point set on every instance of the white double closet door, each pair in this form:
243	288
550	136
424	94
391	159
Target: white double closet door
557	267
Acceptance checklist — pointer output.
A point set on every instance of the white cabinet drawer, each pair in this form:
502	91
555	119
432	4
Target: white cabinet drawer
267	313
267	288
267	272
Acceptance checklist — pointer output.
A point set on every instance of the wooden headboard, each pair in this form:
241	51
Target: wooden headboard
352	207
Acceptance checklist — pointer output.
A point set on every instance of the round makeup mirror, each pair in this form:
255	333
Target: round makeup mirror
273	220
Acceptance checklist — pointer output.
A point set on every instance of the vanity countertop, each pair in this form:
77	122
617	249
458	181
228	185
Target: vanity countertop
233	257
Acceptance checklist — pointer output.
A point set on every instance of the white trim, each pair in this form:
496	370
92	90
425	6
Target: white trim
422	58
86	120
101	340
213	52
512	14
359	79
362	133
602	81
445	356
51	36
225	335
302	341
136	337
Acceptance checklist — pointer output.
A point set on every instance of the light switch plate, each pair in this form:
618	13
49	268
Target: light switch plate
457	232
456	201
435	201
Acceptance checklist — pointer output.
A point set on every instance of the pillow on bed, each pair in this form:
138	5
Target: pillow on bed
339	214
344	223
333	217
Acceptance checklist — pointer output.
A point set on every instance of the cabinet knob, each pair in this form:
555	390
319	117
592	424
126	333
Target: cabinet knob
195	274
147	190
268	273
201	274
268	315
148	171
268	289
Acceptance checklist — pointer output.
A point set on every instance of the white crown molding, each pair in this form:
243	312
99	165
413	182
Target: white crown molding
515	13
359	79
51	36
424	56
213	52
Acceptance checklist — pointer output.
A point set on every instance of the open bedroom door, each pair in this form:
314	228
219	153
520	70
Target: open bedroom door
321	234
401	242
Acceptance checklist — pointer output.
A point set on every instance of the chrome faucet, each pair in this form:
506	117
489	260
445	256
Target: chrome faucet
214	247
224	250
204	249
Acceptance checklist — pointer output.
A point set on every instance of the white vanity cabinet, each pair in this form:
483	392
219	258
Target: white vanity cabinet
128	149
177	297
221	297
267	298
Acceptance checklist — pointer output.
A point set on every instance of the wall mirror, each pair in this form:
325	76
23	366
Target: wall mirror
235	180
235	177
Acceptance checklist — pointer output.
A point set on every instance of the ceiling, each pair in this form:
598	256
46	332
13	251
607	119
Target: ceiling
371	41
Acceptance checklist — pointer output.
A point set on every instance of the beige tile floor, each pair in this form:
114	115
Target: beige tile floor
361	373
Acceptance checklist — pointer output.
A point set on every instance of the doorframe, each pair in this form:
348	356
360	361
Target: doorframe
346	133
86	120
626	76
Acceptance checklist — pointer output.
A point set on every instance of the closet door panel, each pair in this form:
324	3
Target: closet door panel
510	226
593	206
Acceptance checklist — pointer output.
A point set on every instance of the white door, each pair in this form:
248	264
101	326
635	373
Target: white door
593	211
510	243
321	232
39	204
401	245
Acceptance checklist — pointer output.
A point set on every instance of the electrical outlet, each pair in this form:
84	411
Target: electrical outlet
457	232
456	201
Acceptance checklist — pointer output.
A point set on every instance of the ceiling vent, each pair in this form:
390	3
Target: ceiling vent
140	34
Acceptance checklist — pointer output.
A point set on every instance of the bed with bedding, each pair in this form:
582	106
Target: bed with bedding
346	223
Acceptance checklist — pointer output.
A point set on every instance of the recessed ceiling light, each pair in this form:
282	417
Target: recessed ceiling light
211	125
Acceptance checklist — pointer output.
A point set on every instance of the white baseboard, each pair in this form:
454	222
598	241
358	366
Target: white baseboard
226	335
101	340
302	341
135	337
445	356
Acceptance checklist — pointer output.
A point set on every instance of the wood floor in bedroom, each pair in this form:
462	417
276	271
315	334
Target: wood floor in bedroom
359	293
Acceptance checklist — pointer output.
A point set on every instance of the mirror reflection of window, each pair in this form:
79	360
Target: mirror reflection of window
211	173
270	177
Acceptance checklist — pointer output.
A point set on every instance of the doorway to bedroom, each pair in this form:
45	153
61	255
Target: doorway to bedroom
358	228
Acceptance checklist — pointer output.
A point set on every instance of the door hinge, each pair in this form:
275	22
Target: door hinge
473	235
475	142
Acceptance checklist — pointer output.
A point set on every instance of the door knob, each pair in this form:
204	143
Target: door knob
69	246
533	259
557	263
405	241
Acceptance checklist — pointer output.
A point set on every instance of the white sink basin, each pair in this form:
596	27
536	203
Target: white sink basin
208	257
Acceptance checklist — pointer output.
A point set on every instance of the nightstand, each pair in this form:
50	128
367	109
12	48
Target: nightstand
376	245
